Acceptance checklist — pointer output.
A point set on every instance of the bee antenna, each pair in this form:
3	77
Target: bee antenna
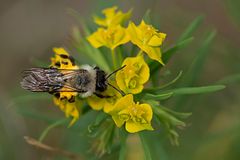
120	91
115	71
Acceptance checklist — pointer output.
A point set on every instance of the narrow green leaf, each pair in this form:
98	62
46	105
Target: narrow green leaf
197	90
195	69
85	47
158	97
51	126
184	39
171	51
166	117
169	122
97	57
94	54
186	90
172	81
147	17
180	115
79	18
191	28
168	84
155	66
230	79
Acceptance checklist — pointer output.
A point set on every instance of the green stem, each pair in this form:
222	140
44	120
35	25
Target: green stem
146	149
123	144
120	56
114	59
53	125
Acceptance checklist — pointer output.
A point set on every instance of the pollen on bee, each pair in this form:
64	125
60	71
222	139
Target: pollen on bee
65	63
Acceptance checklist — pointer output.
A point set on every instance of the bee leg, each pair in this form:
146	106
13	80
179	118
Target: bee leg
102	96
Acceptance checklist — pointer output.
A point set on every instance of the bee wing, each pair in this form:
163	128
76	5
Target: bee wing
70	79
50	80
42	80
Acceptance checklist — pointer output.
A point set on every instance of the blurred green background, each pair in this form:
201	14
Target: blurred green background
29	29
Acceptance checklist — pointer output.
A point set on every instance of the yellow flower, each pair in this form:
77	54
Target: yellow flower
110	37
135	116
132	78
69	108
66	101
147	38
112	18
107	103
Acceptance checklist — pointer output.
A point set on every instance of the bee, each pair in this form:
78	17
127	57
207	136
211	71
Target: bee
86	81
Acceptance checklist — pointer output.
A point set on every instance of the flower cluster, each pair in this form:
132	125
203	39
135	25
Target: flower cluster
120	93
130	80
145	36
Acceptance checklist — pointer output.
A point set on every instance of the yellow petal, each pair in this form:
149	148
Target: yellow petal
112	17
109	103
70	109
110	12
119	122
120	37
120	79
110	37
95	39
75	116
95	102
144	71
134	33
99	21
153	52
122	103
133	127
156	40
147	112
108	107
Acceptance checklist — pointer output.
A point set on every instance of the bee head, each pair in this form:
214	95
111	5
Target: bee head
101	80
102	77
